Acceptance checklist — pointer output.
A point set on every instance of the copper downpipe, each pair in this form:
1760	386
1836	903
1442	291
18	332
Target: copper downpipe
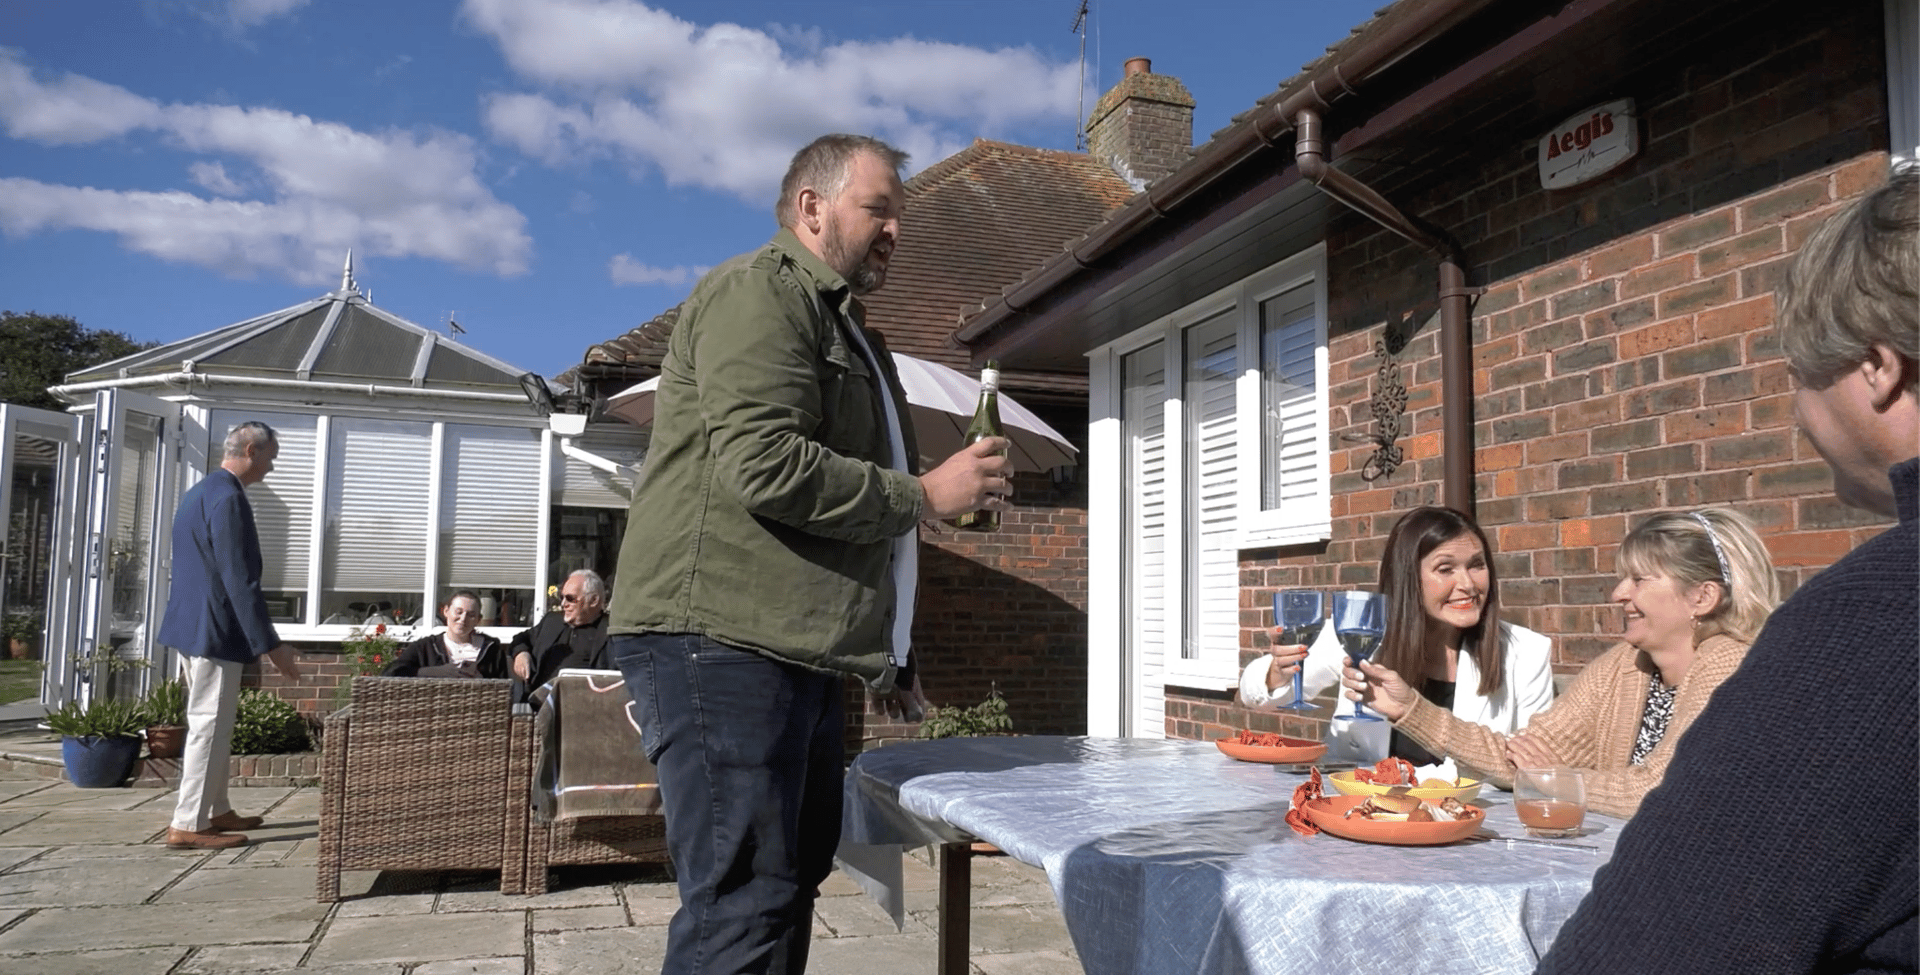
1456	342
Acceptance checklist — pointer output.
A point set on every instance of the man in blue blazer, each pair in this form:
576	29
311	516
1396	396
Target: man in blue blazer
217	619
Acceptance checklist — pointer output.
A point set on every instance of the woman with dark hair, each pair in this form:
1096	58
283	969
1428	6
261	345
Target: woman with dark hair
1443	615
1695	588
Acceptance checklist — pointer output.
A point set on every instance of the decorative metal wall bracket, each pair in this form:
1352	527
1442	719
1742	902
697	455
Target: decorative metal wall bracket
1389	405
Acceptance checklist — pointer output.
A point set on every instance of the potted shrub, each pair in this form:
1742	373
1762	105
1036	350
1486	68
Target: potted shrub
99	742
989	717
22	631
164	710
266	725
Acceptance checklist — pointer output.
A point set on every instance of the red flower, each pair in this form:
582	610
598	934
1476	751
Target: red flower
376	658
379	628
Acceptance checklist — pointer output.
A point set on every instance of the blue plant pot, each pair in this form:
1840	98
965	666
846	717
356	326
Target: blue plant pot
99	763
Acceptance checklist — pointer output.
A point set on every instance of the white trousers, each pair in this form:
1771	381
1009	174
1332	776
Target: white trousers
213	697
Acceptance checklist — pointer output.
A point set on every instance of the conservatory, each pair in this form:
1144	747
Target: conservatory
410	466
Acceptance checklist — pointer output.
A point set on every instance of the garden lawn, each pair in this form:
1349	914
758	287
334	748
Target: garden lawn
19	680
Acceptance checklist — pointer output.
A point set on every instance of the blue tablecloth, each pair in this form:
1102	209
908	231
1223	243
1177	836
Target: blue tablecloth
1168	857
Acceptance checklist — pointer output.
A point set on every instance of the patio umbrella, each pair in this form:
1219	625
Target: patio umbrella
941	401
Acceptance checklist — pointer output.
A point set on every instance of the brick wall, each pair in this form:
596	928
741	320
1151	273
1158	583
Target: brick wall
1005	610
1623	359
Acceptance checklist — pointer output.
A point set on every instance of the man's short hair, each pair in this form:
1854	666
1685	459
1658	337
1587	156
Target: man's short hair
252	433
824	164
590	583
1856	284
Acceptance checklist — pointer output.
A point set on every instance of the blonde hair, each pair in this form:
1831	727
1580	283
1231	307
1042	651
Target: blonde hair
1717	545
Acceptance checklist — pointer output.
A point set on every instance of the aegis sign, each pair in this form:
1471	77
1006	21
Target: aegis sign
1589	144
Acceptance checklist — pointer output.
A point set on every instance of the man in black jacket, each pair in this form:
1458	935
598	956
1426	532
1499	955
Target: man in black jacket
574	637
1784	837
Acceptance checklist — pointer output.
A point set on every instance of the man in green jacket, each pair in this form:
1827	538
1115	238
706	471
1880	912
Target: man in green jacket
771	551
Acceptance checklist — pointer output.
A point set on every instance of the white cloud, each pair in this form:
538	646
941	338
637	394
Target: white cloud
253	13
623	269
326	186
724	106
213	176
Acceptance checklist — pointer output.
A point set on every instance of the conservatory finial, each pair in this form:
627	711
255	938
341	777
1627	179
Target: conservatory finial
346	274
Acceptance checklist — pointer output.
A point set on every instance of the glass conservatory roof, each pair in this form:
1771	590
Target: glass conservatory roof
340	337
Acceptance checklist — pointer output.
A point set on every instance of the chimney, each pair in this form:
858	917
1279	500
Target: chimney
1143	126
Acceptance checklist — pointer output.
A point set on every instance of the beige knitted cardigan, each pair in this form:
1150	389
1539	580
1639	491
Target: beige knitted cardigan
1592	726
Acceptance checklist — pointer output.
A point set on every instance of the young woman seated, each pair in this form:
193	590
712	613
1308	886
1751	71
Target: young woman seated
1695	590
458	651
1443	630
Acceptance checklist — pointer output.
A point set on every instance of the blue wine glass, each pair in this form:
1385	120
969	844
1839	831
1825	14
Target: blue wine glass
1300	614
1360	620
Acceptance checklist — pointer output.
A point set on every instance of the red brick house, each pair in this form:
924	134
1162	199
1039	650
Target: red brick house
1360	296
1007	609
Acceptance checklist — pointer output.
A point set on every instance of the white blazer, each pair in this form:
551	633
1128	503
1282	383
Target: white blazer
1527	691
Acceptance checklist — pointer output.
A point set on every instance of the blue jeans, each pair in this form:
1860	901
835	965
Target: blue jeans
750	762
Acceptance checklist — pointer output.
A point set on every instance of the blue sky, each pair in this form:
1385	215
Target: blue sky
550	173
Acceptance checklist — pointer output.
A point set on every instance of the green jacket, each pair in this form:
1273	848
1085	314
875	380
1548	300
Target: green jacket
766	513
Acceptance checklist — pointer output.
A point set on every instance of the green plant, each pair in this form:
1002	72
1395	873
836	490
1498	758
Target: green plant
101	718
989	717
22	626
266	725
370	650
105	658
166	704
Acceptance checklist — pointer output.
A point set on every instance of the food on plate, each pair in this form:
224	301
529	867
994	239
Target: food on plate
1389	771
1406	809
1439	784
1262	739
1307	792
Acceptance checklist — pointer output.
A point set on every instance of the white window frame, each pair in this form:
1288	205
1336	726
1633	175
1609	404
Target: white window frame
1903	81
1126	697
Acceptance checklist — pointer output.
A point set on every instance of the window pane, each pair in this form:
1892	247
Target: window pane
127	550
578	484
282	506
490	518
1143	413
376	528
1288	334
1212	571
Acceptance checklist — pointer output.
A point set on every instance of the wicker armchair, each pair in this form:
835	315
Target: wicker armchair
576	824
422	773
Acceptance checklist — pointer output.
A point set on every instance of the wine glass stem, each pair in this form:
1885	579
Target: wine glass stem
1299	688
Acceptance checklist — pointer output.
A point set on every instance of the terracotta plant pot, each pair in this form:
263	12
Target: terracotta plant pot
19	649
166	740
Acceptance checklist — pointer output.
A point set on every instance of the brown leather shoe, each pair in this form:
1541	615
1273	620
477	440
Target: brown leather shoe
182	839
230	822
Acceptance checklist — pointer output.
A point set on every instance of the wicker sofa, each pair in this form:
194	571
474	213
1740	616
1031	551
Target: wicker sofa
422	773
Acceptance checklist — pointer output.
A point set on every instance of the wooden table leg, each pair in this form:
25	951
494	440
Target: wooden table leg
956	886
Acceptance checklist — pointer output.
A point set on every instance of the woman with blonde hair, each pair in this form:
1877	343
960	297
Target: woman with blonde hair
1695	589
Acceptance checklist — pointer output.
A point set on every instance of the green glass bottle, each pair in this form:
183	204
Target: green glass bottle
986	423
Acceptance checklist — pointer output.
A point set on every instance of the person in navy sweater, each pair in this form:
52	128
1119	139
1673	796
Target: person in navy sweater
1784	837
217	619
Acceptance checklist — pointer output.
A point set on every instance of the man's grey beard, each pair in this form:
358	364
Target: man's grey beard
861	278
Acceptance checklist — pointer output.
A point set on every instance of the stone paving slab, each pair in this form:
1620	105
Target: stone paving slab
482	966
421	937
223	960
578	919
144	961
74	827
218	884
154	925
73	883
15	788
622	951
92	799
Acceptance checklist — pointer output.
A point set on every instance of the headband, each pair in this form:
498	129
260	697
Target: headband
1726	573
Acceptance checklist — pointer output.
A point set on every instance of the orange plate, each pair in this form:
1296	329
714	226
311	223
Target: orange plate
1295	751
1326	813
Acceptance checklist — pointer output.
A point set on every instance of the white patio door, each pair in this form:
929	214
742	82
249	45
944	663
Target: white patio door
38	455
129	511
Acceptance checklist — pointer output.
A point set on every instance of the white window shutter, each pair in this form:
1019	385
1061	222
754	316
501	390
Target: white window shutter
1290	412
490	508
1144	435
378	483
578	484
1211	481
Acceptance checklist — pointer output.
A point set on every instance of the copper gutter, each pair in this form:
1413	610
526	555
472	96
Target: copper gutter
1456	343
